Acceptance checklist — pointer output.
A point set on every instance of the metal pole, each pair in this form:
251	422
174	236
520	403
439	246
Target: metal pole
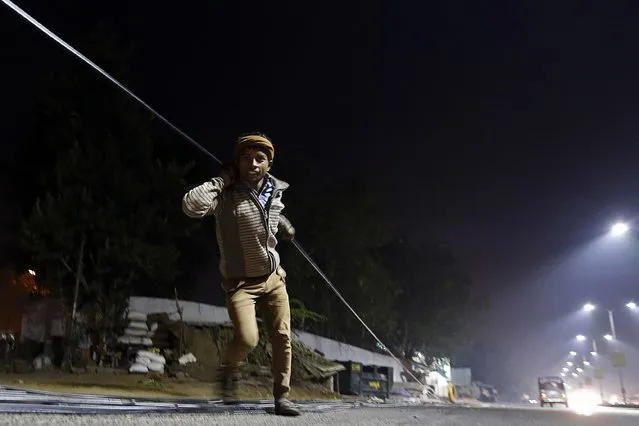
623	388
597	363
611	318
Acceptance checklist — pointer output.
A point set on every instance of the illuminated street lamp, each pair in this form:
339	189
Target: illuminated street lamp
572	353
619	229
580	337
32	272
589	307
608	337
631	305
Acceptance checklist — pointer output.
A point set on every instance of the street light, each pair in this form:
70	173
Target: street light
631	305
609	337
619	229
31	272
589	307
573	353
580	337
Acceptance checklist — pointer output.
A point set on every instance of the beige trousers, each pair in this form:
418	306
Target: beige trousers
271	295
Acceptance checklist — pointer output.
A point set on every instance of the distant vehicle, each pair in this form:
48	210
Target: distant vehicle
552	390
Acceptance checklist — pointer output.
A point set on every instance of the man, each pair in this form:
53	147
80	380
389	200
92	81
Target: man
247	204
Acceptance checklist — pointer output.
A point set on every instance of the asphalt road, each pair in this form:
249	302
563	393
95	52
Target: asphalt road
423	415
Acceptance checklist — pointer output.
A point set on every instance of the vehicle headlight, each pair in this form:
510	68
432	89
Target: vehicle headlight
584	400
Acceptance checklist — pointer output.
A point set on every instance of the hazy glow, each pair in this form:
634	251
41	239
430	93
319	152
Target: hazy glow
619	229
608	337
32	272
581	337
586	363
589	307
631	305
584	401
573	353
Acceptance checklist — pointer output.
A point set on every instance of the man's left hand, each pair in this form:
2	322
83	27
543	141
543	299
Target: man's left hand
289	234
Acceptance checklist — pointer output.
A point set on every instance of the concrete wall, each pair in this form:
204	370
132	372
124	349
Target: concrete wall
461	376
193	312
338	351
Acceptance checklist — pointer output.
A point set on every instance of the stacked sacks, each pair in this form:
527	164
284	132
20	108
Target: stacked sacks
138	332
146	361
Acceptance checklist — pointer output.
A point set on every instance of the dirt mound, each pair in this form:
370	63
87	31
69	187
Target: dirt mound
208	343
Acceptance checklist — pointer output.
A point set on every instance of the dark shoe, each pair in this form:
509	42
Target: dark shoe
284	407
229	389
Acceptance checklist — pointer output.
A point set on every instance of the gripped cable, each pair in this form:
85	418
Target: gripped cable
297	245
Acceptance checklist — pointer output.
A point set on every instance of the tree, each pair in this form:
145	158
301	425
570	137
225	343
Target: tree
342	231
415	297
111	219
436	309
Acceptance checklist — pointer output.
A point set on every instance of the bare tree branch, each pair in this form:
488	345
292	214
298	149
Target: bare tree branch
82	279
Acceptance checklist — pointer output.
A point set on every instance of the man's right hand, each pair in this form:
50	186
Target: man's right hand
228	174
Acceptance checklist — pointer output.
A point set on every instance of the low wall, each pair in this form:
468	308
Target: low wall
209	314
193	312
338	351
200	313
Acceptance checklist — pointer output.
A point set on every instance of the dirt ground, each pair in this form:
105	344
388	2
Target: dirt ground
132	385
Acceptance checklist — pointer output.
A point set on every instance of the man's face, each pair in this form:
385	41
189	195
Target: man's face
253	164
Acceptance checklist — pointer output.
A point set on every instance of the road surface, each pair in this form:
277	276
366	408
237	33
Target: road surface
422	415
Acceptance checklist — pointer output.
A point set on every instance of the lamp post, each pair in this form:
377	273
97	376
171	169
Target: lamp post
612	337
611	319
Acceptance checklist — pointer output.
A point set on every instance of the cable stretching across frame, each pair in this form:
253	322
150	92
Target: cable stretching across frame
297	245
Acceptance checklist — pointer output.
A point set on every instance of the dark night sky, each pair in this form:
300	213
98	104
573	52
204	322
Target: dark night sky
507	131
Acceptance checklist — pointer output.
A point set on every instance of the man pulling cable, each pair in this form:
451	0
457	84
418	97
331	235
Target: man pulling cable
246	202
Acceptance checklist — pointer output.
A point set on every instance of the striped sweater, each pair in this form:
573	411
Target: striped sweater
246	228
